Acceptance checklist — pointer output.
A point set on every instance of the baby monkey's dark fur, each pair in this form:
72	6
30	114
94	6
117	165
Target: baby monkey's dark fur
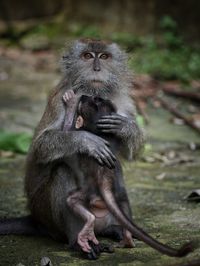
100	185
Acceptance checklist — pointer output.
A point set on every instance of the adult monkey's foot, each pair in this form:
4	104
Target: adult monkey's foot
127	241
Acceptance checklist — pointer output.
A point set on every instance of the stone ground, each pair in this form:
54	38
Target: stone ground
157	184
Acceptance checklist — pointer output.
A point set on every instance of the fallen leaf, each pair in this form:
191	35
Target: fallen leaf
160	176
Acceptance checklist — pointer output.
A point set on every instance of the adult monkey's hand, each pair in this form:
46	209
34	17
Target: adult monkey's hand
97	148
116	124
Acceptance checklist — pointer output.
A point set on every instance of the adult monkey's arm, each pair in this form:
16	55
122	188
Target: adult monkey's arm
124	126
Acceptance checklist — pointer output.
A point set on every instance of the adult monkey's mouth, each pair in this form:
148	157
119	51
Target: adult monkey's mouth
96	82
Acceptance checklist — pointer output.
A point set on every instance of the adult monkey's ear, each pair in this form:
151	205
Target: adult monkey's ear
79	122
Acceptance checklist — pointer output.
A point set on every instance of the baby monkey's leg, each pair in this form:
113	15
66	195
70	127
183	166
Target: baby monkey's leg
76	202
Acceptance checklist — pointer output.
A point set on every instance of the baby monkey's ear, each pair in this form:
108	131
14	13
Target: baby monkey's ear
79	122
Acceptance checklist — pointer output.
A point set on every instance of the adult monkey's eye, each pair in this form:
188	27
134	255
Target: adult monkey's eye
87	56
104	56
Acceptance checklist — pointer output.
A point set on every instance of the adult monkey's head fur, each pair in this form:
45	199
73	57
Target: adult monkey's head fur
97	67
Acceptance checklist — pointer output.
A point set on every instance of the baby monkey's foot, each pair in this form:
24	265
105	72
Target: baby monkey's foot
95	250
85	236
68	95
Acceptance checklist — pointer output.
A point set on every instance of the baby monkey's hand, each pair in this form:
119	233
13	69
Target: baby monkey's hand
68	96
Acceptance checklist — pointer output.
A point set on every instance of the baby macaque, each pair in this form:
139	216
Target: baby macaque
102	196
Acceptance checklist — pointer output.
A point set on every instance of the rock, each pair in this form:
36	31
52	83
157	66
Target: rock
45	261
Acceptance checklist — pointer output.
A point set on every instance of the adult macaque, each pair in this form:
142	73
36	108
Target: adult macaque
99	199
93	68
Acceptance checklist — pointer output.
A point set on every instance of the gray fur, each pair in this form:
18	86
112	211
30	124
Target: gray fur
49	176
117	83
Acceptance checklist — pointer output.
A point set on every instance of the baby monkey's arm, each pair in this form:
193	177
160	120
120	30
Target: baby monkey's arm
71	100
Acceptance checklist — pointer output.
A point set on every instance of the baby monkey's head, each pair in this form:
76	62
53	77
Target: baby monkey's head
90	110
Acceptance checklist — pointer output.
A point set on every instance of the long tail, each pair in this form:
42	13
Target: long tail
139	232
20	226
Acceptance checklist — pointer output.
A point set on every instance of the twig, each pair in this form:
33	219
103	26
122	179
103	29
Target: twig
195	96
174	111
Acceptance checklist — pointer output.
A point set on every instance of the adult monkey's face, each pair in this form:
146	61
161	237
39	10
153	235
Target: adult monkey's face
95	66
94	61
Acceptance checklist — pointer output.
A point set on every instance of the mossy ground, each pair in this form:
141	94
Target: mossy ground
158	203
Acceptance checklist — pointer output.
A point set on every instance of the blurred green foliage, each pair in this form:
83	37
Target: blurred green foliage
77	30
16	142
51	30
167	57
140	120
164	55
169	32
167	64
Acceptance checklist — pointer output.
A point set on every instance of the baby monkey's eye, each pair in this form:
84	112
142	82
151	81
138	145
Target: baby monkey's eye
87	56
104	56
